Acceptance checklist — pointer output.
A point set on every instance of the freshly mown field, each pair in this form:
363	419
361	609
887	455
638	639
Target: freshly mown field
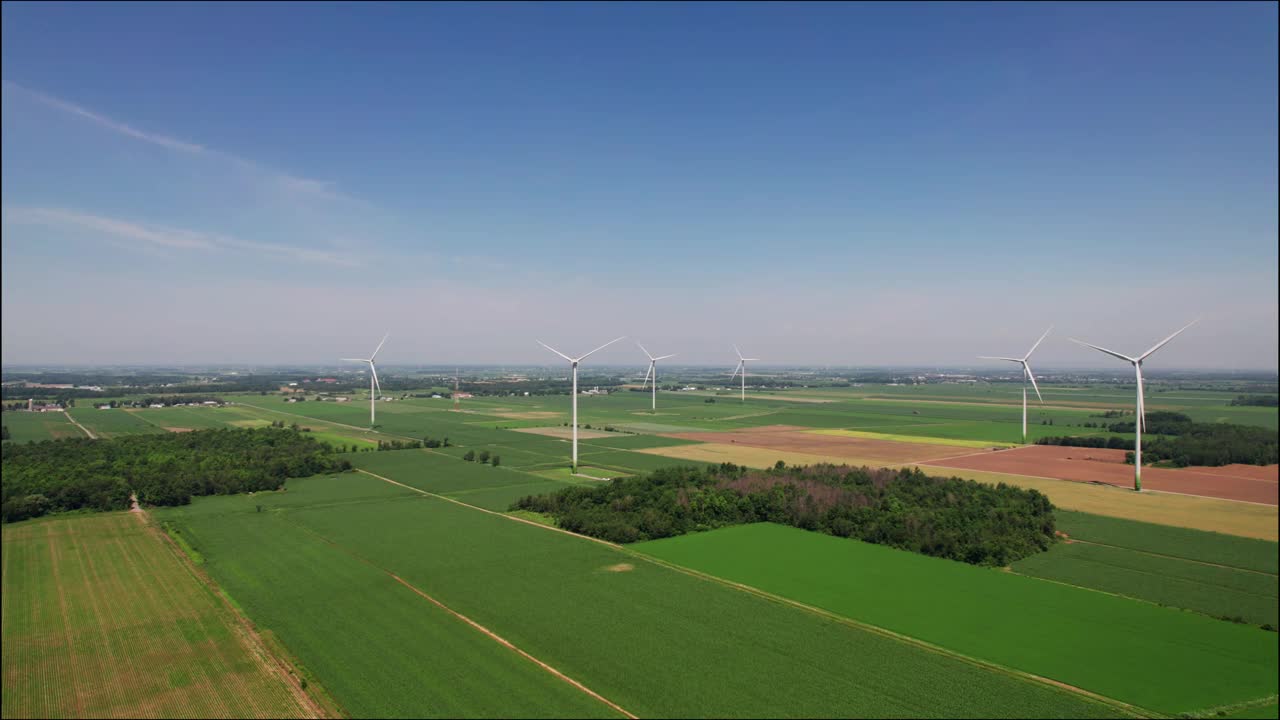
36	426
655	641
101	618
1155	658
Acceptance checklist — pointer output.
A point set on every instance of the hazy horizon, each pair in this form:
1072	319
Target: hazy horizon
856	185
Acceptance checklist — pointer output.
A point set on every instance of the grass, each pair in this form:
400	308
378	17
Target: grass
1217	548
102	619
656	641
1265	711
37	426
1198	513
379	648
1219	592
114	423
573	612
1149	656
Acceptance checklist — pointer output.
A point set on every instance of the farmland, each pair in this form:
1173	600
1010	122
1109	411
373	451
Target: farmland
560	599
1124	649
102	619
446	570
1219	575
28	427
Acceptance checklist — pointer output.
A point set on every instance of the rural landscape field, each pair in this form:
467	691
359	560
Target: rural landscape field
639	360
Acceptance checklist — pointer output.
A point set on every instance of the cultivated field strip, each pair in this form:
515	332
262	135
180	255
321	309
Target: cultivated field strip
674	620
1132	651
102	619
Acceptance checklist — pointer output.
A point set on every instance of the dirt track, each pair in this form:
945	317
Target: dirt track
1233	482
797	439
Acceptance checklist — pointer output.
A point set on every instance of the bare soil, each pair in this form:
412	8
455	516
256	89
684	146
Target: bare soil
1232	482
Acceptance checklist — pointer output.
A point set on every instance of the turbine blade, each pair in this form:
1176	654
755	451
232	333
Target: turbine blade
566	357
1165	341
1033	347
355	359
663	357
647	373
1112	353
584	357
384	342
991	357
1027	369
750	359
376	384
646	352
739	352
738	367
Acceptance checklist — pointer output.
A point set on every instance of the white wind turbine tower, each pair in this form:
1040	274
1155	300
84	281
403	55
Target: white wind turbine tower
374	386
573	363
653	372
1026	375
742	365
1140	422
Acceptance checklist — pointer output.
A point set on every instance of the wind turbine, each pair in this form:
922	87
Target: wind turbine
1141	423
374	386
573	362
742	365
1026	375
653	371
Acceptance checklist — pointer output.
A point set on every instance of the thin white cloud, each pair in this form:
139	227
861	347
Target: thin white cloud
285	182
106	122
156	236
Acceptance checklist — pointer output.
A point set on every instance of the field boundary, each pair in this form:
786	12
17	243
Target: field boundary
1170	557
83	429
477	626
1122	706
275	664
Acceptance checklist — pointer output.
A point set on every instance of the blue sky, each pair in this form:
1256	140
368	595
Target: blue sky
854	184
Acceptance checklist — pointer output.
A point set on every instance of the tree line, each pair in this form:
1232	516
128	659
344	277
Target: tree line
161	469
902	508
1256	400
1175	439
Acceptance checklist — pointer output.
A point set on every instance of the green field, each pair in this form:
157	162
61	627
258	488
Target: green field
114	423
1152	657
36	426
1230	550
656	641
103	619
1220	575
1221	592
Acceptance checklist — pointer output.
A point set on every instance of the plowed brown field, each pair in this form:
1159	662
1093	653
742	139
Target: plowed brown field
1232	482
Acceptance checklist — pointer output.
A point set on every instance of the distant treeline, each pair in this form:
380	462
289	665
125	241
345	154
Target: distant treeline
1159	422
903	508
1213	445
162	469
48	395
1174	438
166	400
538	387
1089	441
1256	400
